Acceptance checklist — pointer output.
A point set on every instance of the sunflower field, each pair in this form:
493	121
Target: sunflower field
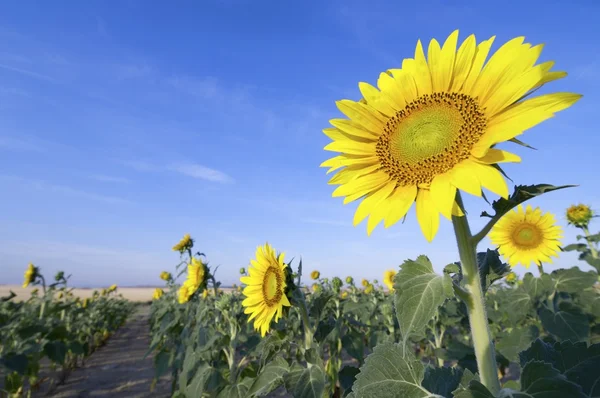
46	336
428	134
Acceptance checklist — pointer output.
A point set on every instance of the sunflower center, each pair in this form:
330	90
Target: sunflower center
272	286
527	236
429	137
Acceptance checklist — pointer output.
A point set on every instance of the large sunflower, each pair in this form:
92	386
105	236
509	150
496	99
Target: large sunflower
431	127
265	288
525	236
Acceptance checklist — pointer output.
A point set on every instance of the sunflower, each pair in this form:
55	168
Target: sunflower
315	275
315	287
369	289
525	236
579	215
184	295
265	288
431	126
205	294
365	283
511	278
30	274
165	276
388	279
185	243
344	295
349	280
112	288
157	293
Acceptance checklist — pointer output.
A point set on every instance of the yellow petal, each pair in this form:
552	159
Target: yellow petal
362	185
370	202
421	72
352	129
406	80
491	179
399	203
388	85
363	114
443	194
483	49
464	179
351	147
427	214
444	70
376	99
499	156
464	61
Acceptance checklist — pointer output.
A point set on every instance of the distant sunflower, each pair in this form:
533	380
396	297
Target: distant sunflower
431	126
526	235
184	295
369	289
579	215
365	282
388	279
112	288
185	243
30	275
158	292
165	276
315	275
265	288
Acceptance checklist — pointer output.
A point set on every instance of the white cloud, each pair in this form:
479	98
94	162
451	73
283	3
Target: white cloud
202	172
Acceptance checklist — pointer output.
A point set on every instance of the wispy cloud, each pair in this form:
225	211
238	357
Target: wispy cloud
65	190
16	144
202	172
28	73
105	178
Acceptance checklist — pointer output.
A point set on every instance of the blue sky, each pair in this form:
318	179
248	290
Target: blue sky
127	124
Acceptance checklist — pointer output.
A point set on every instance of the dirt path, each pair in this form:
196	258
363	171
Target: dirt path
118	369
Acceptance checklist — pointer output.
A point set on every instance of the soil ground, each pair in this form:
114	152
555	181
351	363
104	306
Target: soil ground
118	369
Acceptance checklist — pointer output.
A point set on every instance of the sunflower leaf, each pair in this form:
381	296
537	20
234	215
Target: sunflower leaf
568	323
518	339
442	381
310	383
270	377
521	194
419	291
378	379
573	360
573	280
491	268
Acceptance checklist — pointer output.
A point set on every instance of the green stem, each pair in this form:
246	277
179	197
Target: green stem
540	268
480	332
42	308
308	334
591	245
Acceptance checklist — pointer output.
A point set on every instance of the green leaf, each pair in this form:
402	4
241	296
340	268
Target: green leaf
58	333
269	378
419	293
491	268
76	348
390	371
474	390
310	384
573	280
589	258
574	360
161	363
291	378
318	304
541	380
511	343
568	323
518	306
200	381
56	351
580	247
239	390
538	288
15	362
354	344
442	381
521	194
466	378
347	377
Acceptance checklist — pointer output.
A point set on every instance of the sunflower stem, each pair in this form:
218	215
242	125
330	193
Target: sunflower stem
480	332
308	334
591	244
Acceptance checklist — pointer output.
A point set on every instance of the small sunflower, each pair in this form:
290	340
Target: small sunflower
369	289
526	235
344	294
158	292
365	282
185	243
315	287
205	293
349	280
265	288
579	215
430	128
315	275
165	276
388	279
30	274
112	288
511	278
